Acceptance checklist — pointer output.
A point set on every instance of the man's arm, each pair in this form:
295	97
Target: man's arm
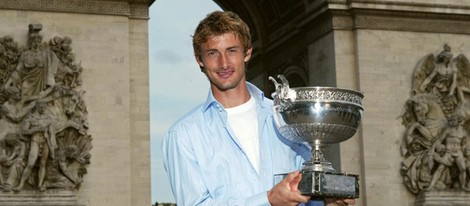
17	116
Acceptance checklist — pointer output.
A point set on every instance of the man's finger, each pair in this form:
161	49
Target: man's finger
295	182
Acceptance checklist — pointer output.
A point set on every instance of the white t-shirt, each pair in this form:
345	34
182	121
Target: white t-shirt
243	120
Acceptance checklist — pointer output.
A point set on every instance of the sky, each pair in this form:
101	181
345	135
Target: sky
176	82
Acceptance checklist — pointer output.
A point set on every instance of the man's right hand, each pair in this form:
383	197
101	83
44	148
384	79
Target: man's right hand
286	193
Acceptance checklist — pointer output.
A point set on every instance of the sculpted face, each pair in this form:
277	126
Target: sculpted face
420	110
14	94
35	40
223	61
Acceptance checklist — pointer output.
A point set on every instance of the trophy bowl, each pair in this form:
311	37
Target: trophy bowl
318	116
325	114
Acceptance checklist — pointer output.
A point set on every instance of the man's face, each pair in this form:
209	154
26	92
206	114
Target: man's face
223	60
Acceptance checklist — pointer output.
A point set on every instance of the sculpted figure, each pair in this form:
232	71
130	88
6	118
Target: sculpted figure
424	120
436	124
13	111
62	171
68	73
43	116
441	178
9	53
11	160
36	66
39	127
443	76
69	110
453	138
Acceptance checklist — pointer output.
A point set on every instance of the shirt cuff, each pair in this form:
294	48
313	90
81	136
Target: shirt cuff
259	199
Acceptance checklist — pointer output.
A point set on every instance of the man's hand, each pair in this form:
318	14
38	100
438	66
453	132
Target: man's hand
285	193
339	202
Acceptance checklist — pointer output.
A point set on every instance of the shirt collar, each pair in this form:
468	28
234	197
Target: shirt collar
254	91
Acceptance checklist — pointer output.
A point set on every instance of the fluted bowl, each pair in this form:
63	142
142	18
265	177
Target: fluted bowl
324	114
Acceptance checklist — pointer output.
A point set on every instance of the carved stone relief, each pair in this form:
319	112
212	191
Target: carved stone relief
44	140
133	9
436	146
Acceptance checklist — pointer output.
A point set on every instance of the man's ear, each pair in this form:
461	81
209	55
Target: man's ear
248	54
199	60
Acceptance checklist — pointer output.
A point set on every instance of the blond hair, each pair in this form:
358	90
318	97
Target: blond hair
218	23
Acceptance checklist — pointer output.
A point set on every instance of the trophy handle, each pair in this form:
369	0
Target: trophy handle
282	90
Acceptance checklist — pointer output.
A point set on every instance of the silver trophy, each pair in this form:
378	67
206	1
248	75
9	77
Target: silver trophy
319	116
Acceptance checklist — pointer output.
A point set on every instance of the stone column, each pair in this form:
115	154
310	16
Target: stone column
110	41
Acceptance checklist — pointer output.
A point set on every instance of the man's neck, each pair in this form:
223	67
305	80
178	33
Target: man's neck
233	97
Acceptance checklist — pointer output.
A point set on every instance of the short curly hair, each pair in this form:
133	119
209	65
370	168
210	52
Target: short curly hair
218	23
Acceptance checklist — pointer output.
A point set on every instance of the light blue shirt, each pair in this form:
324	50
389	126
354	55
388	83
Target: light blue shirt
206	164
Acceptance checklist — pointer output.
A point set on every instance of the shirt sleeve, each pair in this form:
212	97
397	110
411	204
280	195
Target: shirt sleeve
187	183
259	199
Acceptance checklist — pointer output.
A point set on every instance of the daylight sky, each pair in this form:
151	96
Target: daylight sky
176	83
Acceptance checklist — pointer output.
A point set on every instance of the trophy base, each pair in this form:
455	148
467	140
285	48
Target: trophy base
327	184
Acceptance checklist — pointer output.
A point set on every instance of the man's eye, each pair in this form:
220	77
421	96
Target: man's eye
212	53
233	51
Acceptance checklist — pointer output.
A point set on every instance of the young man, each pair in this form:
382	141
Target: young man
227	150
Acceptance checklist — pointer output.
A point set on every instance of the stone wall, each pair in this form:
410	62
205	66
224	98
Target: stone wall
373	47
386	62
379	58
110	40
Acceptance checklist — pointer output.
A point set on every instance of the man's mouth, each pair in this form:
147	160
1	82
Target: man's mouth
225	74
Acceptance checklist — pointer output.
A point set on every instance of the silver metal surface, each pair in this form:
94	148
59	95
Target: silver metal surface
316	115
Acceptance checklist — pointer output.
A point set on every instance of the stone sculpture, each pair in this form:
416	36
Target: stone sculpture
436	117
44	140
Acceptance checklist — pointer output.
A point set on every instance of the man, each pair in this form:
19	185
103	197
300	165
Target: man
38	125
227	150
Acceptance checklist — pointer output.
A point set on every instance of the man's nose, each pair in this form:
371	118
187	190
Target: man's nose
223	61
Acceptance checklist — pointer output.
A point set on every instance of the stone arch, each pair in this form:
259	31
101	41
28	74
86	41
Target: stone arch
297	76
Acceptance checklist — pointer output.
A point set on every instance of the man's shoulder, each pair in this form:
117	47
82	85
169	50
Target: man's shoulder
195	116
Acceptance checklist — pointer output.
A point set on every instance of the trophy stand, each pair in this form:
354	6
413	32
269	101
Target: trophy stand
320	179
318	116
317	162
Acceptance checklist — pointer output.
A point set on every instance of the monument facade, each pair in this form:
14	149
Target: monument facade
373	47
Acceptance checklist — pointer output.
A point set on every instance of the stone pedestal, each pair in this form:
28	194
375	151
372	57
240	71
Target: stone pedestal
443	198
34	198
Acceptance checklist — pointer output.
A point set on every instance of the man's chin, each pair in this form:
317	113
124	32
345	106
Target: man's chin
225	87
